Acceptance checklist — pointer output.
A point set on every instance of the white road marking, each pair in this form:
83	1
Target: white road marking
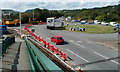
77	55
71	40
79	41
106	58
100	55
48	38
77	44
89	42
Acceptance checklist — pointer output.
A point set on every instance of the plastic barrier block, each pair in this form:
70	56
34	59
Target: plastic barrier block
56	50
52	48
63	55
48	45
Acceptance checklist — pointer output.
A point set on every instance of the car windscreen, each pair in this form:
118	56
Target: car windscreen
59	38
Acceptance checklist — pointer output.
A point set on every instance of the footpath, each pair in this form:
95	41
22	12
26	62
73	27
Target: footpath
16	57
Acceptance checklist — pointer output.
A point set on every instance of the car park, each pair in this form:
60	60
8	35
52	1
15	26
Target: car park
57	39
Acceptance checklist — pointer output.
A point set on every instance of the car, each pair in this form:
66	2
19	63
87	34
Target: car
57	39
75	21
104	23
83	22
113	24
96	22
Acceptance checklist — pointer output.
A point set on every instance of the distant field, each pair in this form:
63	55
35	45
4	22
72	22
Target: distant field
93	28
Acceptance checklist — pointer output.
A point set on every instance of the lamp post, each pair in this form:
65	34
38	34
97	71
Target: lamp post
33	13
20	22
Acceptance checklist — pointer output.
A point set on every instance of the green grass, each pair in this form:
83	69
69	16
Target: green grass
93	28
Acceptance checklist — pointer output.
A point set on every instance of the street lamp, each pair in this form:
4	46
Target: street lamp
20	22
33	13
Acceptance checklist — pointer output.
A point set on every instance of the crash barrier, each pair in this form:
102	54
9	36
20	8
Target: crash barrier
40	62
6	42
48	45
77	29
42	23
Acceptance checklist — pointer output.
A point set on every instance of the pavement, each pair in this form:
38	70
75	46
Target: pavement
16	57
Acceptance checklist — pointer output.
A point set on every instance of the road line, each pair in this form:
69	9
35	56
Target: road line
79	41
48	38
101	55
106	58
89	42
115	62
77	55
77	44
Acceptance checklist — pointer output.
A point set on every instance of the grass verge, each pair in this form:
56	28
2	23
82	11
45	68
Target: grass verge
92	28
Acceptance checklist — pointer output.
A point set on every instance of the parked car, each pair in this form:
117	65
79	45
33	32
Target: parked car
113	24
96	22
57	39
75	21
104	23
83	22
90	22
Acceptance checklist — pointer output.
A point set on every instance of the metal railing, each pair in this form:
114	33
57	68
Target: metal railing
38	61
7	41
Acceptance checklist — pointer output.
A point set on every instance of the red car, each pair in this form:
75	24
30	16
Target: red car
57	39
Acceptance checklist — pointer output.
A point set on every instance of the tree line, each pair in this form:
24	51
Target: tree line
108	14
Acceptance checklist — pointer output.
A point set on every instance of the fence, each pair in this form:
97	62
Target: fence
39	61
6	42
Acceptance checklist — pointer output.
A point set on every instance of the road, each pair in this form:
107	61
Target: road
82	48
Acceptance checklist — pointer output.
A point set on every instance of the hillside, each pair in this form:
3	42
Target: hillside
109	13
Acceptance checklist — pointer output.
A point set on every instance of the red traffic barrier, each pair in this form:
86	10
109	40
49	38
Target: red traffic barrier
38	38
48	45
42	23
56	50
52	48
63	55
35	36
45	43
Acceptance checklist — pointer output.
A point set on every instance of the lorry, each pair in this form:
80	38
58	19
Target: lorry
53	23
10	22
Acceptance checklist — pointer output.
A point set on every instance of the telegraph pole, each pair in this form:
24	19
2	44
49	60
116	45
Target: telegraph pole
20	19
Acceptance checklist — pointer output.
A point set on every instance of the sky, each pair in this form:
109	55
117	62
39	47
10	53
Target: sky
23	5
